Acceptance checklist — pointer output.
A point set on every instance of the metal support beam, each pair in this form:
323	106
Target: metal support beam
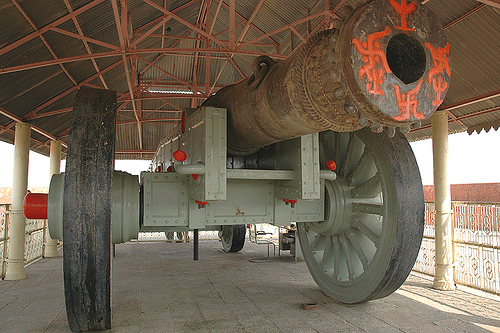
50	250
33	25
55	23
232	19
469	13
493	3
288	26
444	226
15	261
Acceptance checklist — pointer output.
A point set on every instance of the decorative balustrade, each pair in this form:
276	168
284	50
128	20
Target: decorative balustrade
476	244
35	234
4	235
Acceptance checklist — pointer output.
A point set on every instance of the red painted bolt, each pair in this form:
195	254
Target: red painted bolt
289	201
179	155
331	165
201	204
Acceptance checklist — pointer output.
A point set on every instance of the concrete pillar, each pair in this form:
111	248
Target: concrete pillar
15	261
442	197
50	250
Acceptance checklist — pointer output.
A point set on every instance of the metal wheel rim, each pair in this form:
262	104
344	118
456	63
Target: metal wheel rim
227	237
349	255
87	210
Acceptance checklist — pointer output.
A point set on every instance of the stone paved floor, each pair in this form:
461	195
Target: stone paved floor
158	288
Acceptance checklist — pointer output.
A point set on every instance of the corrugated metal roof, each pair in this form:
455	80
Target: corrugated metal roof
29	93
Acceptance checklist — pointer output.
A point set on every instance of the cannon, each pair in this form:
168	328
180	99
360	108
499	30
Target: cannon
316	140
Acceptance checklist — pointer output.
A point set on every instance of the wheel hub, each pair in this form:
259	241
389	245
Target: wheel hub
338	209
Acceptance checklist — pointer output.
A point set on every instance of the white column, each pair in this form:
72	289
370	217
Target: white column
15	261
442	198
50	250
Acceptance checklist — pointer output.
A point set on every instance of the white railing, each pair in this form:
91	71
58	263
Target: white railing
476	245
35	234
4	236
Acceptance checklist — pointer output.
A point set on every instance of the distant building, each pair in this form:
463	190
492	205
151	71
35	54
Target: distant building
485	192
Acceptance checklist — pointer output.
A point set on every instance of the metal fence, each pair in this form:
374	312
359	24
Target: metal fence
476	244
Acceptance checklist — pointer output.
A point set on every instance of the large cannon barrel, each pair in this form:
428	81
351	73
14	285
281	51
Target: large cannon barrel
387	66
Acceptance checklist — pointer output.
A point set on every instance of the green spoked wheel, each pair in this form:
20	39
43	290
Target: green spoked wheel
87	210
374	217
233	237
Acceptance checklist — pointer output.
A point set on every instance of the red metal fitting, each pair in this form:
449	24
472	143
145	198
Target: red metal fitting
158	168
169	169
289	201
195	176
201	202
35	205
331	165
179	155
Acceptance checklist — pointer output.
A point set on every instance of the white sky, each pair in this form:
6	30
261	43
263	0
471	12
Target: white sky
473	159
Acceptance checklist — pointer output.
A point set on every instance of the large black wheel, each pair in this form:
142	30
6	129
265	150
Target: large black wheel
87	210
374	217
233	237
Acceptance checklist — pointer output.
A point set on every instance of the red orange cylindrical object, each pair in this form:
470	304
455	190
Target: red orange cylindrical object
35	205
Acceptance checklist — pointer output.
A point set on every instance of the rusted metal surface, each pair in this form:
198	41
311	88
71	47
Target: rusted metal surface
386	67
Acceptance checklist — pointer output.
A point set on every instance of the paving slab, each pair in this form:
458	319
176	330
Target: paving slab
157	287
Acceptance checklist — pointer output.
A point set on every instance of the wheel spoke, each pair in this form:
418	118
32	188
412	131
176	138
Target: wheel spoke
338	149
319	242
327	260
339	261
351	236
369	208
360	168
369	189
347	252
348	159
358	224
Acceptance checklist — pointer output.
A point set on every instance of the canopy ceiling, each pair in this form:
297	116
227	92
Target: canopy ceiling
164	56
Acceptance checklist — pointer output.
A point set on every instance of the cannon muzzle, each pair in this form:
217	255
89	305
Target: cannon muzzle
386	67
